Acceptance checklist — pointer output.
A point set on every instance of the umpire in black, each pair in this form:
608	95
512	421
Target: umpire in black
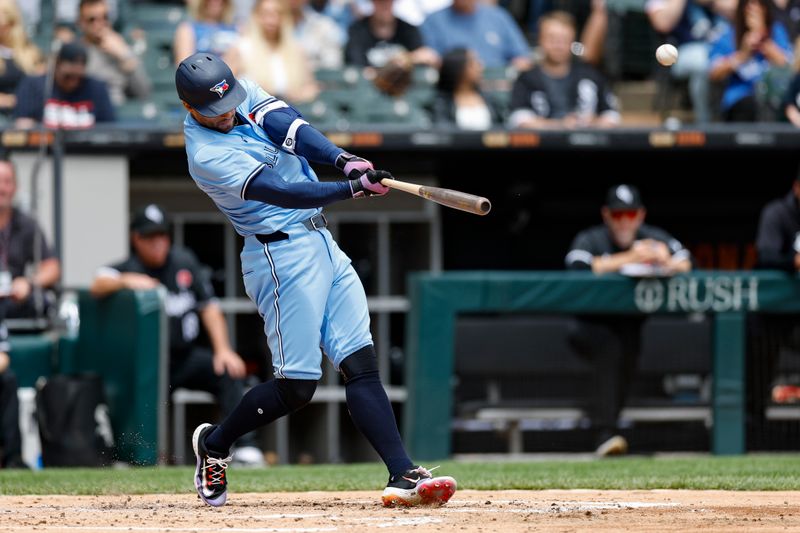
190	305
612	343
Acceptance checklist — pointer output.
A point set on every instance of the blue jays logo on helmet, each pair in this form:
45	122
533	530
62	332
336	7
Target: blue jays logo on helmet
220	88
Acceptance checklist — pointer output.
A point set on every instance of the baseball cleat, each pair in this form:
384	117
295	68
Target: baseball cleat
418	487
209	475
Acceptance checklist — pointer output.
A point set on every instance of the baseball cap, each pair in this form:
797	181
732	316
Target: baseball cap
623	197
206	82
150	219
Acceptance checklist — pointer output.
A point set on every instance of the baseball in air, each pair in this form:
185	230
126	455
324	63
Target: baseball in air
666	54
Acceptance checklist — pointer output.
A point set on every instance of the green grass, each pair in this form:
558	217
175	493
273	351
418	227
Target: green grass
752	472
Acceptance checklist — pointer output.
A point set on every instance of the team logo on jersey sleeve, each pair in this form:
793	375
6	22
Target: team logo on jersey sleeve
221	88
184	278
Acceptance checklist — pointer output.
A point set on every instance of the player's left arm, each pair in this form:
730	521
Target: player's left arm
287	127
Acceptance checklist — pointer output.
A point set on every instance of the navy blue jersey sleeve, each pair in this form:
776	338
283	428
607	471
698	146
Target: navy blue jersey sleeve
269	187
287	127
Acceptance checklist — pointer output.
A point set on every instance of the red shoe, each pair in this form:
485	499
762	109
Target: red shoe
418	487
785	393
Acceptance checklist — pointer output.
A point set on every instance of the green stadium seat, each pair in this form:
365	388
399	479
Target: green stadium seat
319	113
423	75
139	111
152	16
386	112
338	78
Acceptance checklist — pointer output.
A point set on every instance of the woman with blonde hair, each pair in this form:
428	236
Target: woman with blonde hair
269	55
18	56
210	28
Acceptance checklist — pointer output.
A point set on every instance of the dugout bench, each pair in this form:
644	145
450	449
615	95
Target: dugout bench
520	372
437	299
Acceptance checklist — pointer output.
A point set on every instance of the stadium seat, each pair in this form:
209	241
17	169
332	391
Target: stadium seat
387	112
321	114
337	78
424	76
153	16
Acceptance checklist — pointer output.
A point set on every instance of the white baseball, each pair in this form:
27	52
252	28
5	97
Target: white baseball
666	54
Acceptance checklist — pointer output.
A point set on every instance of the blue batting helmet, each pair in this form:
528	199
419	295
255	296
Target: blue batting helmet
207	84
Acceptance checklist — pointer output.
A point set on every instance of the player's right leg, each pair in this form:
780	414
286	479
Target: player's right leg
261	405
289	282
347	341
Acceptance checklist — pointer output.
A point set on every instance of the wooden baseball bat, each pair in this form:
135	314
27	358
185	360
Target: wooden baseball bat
470	203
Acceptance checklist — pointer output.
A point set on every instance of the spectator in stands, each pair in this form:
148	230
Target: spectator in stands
110	58
318	34
190	303
488	29
623	243
10	438
778	235
210	29
778	248
18	56
67	12
269	55
76	100
28	294
374	40
744	54
342	12
591	22
561	91
787	12
459	101
791	101
689	25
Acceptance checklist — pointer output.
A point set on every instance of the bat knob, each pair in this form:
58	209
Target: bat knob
485	206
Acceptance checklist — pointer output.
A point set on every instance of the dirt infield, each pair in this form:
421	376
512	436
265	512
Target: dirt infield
468	511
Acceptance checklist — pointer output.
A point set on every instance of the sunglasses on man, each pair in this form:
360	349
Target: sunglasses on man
619	214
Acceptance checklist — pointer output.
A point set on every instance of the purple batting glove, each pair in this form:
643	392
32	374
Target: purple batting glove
370	184
353	166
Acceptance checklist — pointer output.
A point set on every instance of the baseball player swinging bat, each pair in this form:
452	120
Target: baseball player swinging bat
470	203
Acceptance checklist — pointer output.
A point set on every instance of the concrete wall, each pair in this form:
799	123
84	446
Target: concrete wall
94	210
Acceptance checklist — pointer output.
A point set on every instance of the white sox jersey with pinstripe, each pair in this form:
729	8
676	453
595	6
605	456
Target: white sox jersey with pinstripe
305	287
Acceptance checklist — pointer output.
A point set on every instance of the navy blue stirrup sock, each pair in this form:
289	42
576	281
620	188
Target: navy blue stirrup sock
259	406
373	416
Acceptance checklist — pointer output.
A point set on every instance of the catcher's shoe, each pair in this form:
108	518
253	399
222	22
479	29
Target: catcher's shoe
209	476
418	487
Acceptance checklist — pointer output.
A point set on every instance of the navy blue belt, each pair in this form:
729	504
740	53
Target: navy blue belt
314	223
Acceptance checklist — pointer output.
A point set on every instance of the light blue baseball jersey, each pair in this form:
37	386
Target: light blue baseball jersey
222	164
304	286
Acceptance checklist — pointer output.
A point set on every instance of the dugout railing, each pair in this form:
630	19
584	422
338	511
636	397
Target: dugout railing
437	300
